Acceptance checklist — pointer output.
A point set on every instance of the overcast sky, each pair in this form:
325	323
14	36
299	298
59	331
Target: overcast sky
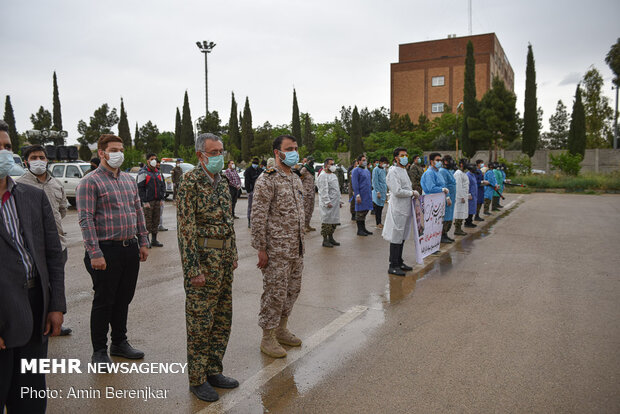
333	52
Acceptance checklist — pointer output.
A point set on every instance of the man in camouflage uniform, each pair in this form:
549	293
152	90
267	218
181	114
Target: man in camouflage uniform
208	251
278	235
415	172
307	182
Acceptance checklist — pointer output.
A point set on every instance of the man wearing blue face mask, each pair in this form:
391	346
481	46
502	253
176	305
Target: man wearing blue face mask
362	194
206	235
250	175
278	224
432	182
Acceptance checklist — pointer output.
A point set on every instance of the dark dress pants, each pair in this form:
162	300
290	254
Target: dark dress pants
11	380
114	289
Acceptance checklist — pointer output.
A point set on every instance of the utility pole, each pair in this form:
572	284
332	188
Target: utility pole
206	48
616	121
469	13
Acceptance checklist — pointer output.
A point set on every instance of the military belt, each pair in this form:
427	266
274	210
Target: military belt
214	243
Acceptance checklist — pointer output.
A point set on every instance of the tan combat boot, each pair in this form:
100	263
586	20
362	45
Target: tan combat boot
284	336
270	346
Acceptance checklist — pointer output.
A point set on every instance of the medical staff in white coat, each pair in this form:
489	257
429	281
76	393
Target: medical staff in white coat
399	218
462	198
329	202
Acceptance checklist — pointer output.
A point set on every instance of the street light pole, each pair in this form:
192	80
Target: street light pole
206	48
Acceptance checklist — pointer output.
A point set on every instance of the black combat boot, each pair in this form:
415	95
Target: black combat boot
332	241
154	241
458	231
365	229
327	242
444	234
394	268
449	226
360	229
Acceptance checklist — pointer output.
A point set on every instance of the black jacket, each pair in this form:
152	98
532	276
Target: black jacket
151	185
251	174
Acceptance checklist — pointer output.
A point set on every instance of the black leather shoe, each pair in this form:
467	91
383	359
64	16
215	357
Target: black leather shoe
396	271
221	381
101	355
204	392
65	331
405	267
470	225
126	351
155	243
446	239
478	218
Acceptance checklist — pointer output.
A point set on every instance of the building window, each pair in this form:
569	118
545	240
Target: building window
437	107
438	81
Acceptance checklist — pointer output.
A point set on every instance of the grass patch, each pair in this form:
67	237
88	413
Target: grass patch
582	183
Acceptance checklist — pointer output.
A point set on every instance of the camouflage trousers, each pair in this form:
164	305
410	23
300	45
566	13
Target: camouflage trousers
208	315
151	216
327	229
281	286
308	206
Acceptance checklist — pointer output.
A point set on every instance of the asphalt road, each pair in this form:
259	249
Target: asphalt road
520	317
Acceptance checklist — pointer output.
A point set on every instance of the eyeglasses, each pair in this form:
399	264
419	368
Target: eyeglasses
213	153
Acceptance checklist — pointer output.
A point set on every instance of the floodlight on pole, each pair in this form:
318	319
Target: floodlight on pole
206	48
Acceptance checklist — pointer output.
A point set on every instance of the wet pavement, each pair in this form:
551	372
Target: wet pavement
521	316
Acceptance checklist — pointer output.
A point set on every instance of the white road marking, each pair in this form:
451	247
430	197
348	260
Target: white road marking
252	384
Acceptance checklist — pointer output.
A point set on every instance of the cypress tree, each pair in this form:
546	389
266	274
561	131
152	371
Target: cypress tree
247	134
296	124
577	130
136	137
308	136
470	105
233	124
56	115
187	128
123	127
531	130
9	118
355	147
177	133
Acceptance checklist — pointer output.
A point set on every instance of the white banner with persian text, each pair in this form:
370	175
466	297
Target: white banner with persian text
428	213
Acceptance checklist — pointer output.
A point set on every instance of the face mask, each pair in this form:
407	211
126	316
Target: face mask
332	168
153	163
6	162
290	158
116	159
481	165
254	165
363	164
215	164
404	161
232	166
419	161
37	167
438	164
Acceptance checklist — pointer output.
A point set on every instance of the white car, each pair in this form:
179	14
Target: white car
18	169
69	174
166	170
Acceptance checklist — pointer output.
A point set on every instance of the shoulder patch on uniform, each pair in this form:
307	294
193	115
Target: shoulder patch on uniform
270	171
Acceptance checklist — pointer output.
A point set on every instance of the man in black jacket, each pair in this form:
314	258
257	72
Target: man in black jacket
32	288
152	190
250	175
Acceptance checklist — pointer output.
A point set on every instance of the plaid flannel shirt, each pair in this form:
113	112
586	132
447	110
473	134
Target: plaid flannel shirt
233	178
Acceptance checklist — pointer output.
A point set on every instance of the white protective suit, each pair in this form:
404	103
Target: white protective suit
329	192
462	193
399	218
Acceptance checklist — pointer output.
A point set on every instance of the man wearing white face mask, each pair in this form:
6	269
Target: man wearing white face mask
152	190
38	176
115	238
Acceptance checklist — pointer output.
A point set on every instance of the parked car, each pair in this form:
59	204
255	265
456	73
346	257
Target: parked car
19	168
69	174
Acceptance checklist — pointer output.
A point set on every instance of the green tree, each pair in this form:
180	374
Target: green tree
401	123
210	123
9	118
101	122
577	129
42	119
498	117
187	127
295	123
234	134
599	133
263	139
470	104
308	135
57	116
531	129
166	141
247	134
377	120
123	127
148	141
558	126
177	133
613	60
356	147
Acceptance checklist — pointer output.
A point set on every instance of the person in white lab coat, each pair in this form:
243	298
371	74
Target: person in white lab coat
329	202
399	218
462	198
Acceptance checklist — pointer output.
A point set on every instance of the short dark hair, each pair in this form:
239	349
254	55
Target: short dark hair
384	159
478	162
447	157
397	151
255	160
464	161
328	160
277	143
151	154
4	126
33	148
95	161
433	155
105	139
263	162
359	157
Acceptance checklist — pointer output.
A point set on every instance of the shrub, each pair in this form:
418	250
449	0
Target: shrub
523	165
566	163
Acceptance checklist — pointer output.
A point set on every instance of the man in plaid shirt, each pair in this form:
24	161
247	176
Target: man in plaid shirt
234	184
115	238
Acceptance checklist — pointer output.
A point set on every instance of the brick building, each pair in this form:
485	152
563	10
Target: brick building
428	78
